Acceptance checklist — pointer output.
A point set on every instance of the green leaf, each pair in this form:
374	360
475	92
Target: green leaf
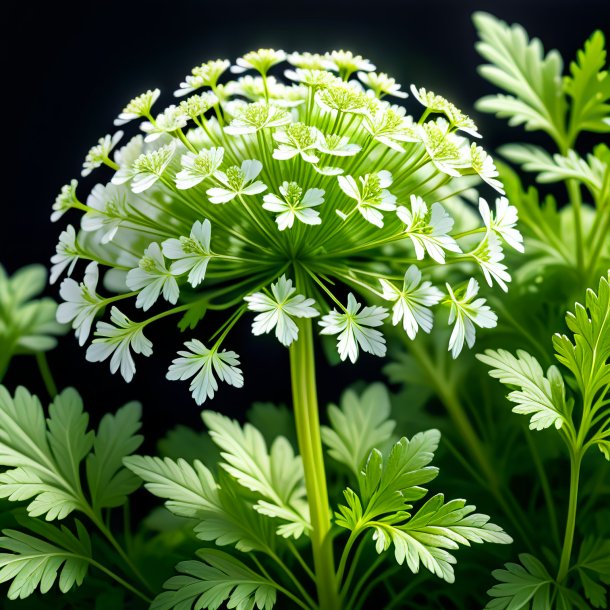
276	475
592	172
588	357
116	438
593	567
589	87
26	326
604	447
436	527
188	444
526	585
34	562
44	457
273	421
542	397
520	67
362	423
193	316
216	579
191	491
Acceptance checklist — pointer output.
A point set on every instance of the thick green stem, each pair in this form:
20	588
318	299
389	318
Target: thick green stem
302	368
45	373
566	553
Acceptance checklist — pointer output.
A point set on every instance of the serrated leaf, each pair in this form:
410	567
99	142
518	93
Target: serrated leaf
362	423
542	397
192	316
45	456
188	444
109	482
592	172
522	586
276	475
191	491
436	528
216	579
593	567
520	67
34	562
588	357
589	87
273	421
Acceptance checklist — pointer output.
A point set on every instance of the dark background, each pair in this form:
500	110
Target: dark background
73	69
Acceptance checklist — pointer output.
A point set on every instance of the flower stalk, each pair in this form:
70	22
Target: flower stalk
303	375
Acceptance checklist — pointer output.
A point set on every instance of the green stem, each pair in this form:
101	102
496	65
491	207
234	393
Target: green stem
121	581
575	198
566	553
45	373
302	368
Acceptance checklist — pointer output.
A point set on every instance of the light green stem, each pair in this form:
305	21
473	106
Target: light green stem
45	373
302	368
566	553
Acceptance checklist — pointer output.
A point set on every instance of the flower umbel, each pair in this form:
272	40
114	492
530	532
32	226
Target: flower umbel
326	188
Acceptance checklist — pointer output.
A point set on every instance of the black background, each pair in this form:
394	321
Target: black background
73	69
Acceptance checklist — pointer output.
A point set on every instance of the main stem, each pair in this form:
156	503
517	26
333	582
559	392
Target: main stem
304	394
566	553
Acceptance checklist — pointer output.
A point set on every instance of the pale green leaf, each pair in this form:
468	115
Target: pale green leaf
588	357
116	438
217	578
589	87
35	562
524	586
519	66
276	475
542	397
359	425
434	530
191	491
592	172
44	456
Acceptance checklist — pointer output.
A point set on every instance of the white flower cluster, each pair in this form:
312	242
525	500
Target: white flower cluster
263	195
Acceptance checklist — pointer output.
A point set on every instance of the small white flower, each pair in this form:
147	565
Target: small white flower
309	61
390	126
483	164
138	107
489	255
125	156
151	278
346	63
66	254
503	222
81	303
198	167
343	98
277	312
312	77
65	200
372	195
296	139
100	153
337	146
202	363
107	209
356	330
429	99
197	105
261	61
428	230
205	75
254	117
294	205
117	340
237	181
412	302
168	121
382	84
147	168
190	254
445	149
465	311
